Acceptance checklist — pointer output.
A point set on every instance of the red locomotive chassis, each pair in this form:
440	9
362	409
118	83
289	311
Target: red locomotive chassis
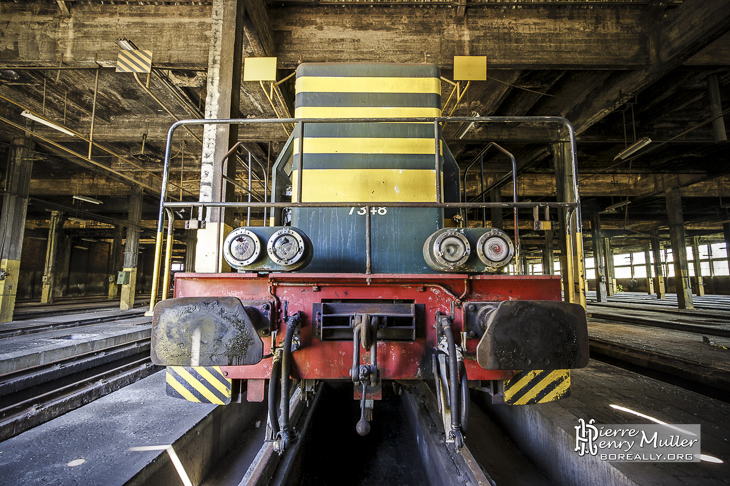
332	359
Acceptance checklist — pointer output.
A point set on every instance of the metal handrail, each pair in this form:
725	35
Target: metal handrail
514	187
572	206
478	158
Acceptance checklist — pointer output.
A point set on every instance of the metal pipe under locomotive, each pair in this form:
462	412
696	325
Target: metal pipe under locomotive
361	276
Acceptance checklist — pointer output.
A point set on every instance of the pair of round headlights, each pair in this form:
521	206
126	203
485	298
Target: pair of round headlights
452	249
242	247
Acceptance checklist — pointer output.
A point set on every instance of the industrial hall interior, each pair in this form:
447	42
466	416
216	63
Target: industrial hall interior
357	242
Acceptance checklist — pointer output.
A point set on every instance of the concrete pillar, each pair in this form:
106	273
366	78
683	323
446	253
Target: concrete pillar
496	196
610	272
656	248
726	234
598	256
113	268
679	249
548	254
131	249
699	283
647	259
63	268
718	124
49	270
192	240
224	86
12	222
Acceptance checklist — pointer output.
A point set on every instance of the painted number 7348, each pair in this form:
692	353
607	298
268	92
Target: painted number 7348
363	210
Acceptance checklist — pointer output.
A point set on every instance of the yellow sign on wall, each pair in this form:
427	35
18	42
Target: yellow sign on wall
470	68
259	69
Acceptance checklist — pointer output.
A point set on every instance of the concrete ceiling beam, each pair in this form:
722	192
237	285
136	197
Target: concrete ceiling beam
540	38
38	36
258	23
537	38
683	32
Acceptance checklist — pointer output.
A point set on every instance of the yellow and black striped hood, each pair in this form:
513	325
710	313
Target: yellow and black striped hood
355	90
367	162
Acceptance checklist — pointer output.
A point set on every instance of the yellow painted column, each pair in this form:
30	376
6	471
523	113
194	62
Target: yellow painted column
699	282
12	222
116	250
8	288
679	249
600	261
131	249
49	271
610	272
647	262
656	249
129	289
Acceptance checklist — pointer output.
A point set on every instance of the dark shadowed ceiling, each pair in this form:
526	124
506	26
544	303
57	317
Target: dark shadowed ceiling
617	70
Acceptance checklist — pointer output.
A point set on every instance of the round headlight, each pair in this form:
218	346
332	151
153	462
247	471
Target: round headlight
495	249
451	249
241	248
285	247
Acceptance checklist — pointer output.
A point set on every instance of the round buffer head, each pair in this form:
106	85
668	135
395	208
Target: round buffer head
241	248
495	249
285	247
451	249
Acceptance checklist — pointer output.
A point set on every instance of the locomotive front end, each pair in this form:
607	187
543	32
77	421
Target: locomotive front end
367	272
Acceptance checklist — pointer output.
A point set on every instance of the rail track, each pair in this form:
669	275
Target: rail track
20	328
712	303
697	325
32	396
691	371
405	446
34	310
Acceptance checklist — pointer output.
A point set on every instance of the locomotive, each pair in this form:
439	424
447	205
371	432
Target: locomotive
364	271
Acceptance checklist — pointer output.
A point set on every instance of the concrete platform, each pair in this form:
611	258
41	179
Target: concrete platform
688	346
23	352
77	318
694	321
136	435
546	433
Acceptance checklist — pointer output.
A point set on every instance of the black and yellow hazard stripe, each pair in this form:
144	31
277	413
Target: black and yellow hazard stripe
375	162
366	146
201	384
364	84
367	185
539	386
367	91
137	61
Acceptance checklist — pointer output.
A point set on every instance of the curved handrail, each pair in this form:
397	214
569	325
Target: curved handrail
573	218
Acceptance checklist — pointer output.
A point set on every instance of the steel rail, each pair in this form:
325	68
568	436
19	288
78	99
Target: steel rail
65	362
53	403
21	330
